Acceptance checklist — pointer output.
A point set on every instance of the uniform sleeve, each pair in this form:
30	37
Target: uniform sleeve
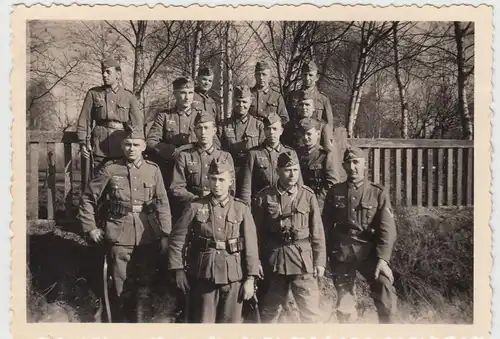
178	238
262	135
327	214
136	116
327	140
300	181
178	187
164	213
332	176
155	134
251	244
258	215
229	159
89	199
282	112
246	184
84	120
317	233
387	229
327	113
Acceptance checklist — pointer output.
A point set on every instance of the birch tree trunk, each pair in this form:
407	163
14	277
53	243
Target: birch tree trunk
197	49
401	87
229	72
221	75
463	108
140	33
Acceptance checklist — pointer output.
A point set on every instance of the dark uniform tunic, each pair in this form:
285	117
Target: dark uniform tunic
222	252
318	170
190	176
138	216
360	230
203	102
260	170
109	110
265	101
323	108
292	243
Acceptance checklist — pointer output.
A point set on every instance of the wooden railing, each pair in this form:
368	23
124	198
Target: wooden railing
418	172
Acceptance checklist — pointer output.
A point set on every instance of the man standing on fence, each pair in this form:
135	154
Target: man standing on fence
360	230
136	229
107	107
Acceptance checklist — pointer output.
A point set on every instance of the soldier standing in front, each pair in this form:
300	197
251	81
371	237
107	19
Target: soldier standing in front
265	98
100	128
241	132
218	236
292	243
360	229
136	228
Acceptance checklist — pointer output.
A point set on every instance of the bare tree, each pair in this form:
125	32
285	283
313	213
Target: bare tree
401	87
197	48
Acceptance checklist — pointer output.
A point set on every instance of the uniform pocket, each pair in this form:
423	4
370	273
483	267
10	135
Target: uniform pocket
123	109
368	210
234	271
307	259
302	216
262	162
148	191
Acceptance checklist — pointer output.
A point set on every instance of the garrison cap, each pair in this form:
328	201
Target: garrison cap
241	92
353	152
309	67
261	66
305	95
203	117
287	159
133	132
107	63
183	82
205	72
307	123
219	166
271	119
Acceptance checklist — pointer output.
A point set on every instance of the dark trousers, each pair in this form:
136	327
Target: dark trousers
344	280
305	291
213	303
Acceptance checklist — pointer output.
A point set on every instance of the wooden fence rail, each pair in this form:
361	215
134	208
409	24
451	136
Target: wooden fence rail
418	172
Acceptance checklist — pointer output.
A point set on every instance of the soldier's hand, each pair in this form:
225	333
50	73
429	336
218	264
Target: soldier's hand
319	271
383	268
247	289
261	272
163	245
85	151
181	281
96	235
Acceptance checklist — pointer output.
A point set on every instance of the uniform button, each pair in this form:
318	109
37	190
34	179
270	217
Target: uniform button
218	228
135	177
218	252
220	217
135	189
353	210
206	165
353	198
206	177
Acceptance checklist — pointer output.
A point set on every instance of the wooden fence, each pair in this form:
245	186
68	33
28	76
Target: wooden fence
418	172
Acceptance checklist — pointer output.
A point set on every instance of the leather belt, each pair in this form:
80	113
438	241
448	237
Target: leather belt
113	124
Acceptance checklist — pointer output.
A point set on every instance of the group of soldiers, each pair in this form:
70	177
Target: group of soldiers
240	208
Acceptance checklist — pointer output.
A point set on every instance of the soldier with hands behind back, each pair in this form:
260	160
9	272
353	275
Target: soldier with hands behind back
360	229
136	228
218	236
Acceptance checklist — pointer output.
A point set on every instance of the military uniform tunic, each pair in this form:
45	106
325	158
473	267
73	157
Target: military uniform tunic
203	102
102	104
360	230
292	135
260	170
318	170
322	106
292	243
138	216
214	267
265	101
190	175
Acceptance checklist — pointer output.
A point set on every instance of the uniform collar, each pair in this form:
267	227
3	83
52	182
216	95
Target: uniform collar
200	150
200	93
221	203
356	185
291	190
137	163
311	150
276	149
263	90
243	119
310	89
186	111
115	89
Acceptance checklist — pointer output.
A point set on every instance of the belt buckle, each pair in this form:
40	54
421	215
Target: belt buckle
137	208
220	245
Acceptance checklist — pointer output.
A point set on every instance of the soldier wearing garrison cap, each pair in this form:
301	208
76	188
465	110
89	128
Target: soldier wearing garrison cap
135	230
293	134
361	231
266	99
173	128
202	99
322	107
190	174
260	166
218	236
105	108
241	131
317	164
291	243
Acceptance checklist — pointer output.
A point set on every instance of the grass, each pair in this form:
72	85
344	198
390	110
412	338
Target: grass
432	263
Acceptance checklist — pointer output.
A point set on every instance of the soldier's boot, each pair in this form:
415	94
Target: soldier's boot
143	309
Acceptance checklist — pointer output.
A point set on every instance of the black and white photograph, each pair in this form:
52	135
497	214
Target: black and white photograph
251	172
